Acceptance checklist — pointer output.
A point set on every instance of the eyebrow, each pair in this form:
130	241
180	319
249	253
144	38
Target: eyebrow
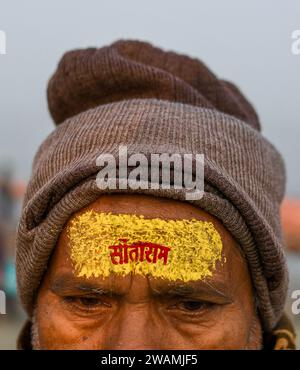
215	291
64	285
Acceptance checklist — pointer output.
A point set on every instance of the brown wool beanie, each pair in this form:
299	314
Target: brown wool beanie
153	101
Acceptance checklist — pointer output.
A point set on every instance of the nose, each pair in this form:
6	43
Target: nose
134	328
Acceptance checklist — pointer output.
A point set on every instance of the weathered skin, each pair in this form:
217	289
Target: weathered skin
136	312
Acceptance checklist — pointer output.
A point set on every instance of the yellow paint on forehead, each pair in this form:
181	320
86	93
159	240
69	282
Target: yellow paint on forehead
193	247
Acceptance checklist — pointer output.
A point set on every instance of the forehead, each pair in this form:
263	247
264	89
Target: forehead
152	207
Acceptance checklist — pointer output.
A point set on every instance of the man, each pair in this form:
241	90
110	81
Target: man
146	267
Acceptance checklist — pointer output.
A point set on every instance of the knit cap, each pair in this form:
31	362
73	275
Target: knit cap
152	101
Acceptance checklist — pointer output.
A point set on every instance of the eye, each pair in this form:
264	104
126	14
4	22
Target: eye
86	303
193	305
89	302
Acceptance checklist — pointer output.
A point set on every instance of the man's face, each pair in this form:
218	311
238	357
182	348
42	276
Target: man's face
137	311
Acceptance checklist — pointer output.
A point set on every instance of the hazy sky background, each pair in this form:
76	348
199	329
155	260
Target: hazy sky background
248	42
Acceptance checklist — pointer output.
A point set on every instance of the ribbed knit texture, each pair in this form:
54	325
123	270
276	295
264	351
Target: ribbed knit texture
154	102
